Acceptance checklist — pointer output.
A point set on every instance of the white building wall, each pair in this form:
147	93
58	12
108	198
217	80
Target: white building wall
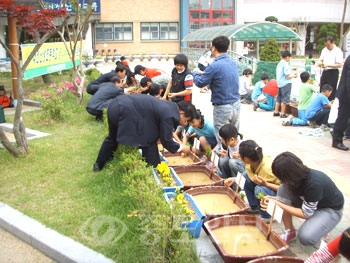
322	11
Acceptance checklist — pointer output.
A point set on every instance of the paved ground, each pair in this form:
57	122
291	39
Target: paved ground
274	139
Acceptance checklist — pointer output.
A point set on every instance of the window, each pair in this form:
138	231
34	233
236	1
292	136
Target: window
159	31
194	15
205	4
216	4
205	15
228	4
114	32
227	15
216	15
194	26
193	4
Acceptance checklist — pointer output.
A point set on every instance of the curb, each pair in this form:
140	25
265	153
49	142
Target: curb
56	246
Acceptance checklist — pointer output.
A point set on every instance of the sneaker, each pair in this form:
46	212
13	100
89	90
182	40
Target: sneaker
255	106
324	127
288	235
287	123
284	116
312	124
276	114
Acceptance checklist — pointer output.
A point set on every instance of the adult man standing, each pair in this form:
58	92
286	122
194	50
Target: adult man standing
331	60
284	81
343	94
119	71
223	79
140	120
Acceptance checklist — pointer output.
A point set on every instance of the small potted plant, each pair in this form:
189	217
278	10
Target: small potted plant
109	56
166	177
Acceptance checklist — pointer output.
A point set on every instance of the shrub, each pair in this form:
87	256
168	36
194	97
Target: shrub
92	74
270	55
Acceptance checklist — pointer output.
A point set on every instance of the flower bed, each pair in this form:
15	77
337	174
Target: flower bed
166	177
193	216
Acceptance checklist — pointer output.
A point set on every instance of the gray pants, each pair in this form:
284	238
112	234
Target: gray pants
315	227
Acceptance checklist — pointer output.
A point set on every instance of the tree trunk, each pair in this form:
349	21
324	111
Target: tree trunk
301	31
342	35
47	79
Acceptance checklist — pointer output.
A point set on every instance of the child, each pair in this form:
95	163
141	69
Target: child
155	90
308	194
204	131
270	91
145	84
339	245
180	85
313	70
229	162
5	101
257	94
305	95
245	89
318	110
258	175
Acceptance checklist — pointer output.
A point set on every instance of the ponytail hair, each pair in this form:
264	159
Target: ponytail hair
251	150
228	131
199	116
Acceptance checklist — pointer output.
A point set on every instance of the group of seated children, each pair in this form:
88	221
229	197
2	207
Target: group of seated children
245	87
283	180
264	94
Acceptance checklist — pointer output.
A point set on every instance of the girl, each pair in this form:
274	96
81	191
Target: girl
204	131
258	175
229	161
306	193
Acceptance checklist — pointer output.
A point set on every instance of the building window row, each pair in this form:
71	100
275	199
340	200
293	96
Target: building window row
149	31
214	4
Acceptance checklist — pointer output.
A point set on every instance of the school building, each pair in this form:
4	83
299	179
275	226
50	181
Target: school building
157	27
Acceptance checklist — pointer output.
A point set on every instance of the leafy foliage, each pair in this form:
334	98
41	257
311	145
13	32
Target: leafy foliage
330	29
269	57
271	19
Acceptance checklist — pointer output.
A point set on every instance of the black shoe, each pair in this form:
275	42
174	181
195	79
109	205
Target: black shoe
276	114
341	146
284	116
253	210
96	167
256	106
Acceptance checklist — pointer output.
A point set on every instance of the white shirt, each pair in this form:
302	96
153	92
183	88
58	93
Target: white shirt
331	57
244	85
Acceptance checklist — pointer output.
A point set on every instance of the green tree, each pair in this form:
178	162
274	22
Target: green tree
330	29
270	55
271	19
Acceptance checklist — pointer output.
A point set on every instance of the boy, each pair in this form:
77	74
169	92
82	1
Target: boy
257	91
270	91
305	95
245	88
145	84
180	85
318	110
284	81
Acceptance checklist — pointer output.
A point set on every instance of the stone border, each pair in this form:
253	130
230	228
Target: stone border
31	134
54	245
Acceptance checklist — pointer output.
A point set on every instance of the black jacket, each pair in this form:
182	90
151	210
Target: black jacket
93	86
343	92
140	120
103	96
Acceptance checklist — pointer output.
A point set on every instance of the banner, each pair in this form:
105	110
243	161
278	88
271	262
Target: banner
51	57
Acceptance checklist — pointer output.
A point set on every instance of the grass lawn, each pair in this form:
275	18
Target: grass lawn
55	185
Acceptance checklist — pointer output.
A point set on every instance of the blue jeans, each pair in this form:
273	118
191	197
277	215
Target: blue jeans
251	190
270	103
224	114
229	167
315	227
302	120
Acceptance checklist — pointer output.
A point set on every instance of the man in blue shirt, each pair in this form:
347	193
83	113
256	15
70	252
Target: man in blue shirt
284	81
318	110
223	79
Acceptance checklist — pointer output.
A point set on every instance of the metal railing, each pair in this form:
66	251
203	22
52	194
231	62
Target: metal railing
193	54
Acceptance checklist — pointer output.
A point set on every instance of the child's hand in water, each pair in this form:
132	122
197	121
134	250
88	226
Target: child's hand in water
223	153
236	155
229	181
